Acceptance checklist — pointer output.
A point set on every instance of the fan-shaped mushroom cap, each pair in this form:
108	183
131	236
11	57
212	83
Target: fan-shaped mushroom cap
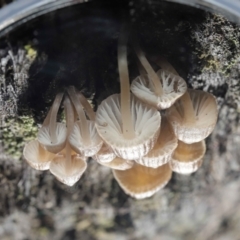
68	174
142	182
45	139
52	135
76	139
173	88
84	137
163	149
36	156
105	154
193	126
118	164
187	158
146	126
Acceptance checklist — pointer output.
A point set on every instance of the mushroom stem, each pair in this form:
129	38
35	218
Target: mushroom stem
127	123
189	113
81	115
141	69
152	74
164	64
51	119
87	107
69	113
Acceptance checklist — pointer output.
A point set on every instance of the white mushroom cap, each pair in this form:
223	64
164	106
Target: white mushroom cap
37	157
45	139
163	149
193	116
52	135
76	139
187	158
105	154
84	137
142	182
173	88
68	173
118	164
146	125
67	166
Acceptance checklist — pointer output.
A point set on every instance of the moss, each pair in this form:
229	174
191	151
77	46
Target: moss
31	52
16	132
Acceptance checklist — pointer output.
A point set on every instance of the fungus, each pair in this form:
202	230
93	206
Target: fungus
105	154
141	182
36	156
164	64
187	158
68	166
84	137
193	116
128	126
159	89
163	149
118	164
52	135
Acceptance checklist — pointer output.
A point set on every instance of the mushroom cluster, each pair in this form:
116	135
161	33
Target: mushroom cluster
154	127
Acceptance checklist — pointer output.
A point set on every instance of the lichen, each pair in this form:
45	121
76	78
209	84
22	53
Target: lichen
17	131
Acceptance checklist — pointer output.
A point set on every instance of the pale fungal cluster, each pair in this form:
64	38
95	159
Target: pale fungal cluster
153	127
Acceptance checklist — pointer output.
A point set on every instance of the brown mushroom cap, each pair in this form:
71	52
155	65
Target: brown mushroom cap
193	116
118	164
142	182
146	125
173	88
36	156
105	154
163	149
187	158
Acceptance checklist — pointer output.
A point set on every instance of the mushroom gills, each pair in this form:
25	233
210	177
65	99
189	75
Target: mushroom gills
170	86
163	149
36	156
84	137
52	135
194	125
146	124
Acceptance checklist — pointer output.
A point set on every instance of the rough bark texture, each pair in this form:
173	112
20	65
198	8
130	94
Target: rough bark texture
78	46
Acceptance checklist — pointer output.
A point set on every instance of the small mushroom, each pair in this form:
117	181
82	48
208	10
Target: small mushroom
84	137
142	182
118	164
163	149
68	166
52	135
159	89
193	116
187	158
128	126
36	156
